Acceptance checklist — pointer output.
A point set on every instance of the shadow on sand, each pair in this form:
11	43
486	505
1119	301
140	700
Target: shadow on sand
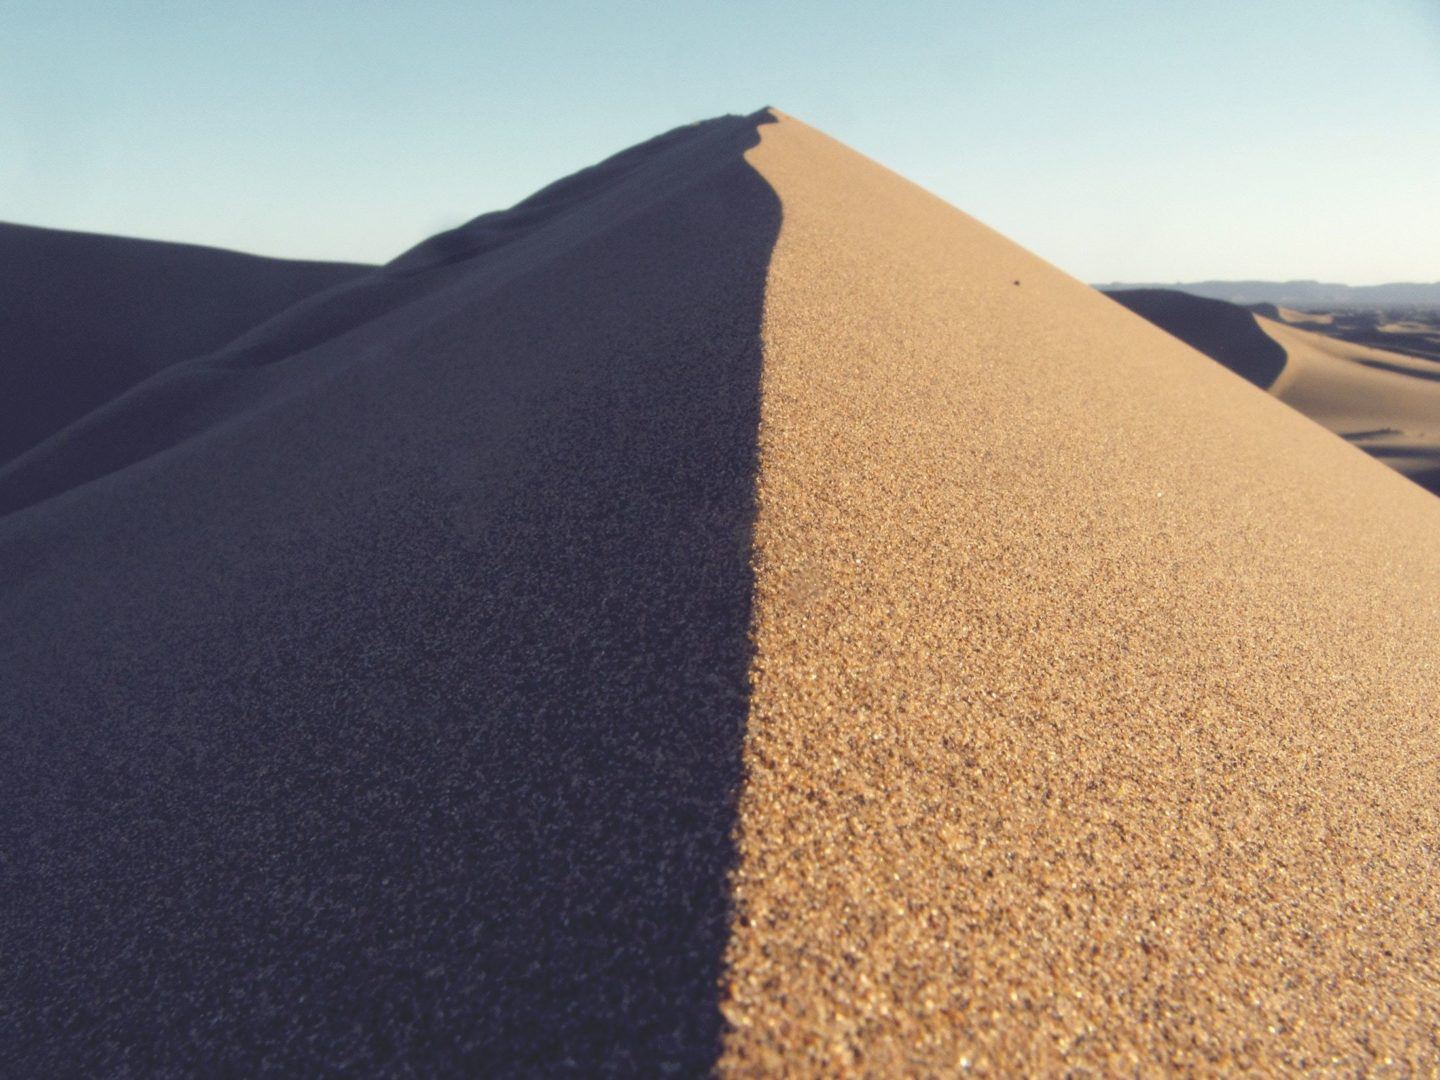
440	774
1224	332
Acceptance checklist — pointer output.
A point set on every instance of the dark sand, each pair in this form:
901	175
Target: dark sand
85	317
1224	332
420	684
388	716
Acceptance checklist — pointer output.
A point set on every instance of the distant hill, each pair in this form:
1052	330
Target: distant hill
84	317
1299	294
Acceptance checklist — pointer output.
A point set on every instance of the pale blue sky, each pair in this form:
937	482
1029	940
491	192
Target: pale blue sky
1155	140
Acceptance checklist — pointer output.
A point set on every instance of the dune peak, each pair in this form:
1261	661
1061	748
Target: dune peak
707	618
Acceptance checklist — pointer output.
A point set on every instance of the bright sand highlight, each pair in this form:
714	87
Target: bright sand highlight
1093	716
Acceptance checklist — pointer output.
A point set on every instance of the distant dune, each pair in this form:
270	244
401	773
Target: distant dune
1386	403
1297	294
85	317
1290	315
732	611
1221	331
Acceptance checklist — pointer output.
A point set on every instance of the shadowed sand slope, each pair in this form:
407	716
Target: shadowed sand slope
1093	716
1223	332
84	317
379	708
331	328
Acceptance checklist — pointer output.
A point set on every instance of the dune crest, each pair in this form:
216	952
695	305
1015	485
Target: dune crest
732	611
1087	679
1385	403
1222	331
375	686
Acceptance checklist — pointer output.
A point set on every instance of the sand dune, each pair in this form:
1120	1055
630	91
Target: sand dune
1386	403
1223	332
1301	295
1088	678
732	610
379	706
1300	318
86	317
1417	336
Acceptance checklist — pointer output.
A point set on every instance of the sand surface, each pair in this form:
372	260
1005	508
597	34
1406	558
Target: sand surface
1094	705
1417	336
1302	318
1385	402
374	687
731	610
1222	331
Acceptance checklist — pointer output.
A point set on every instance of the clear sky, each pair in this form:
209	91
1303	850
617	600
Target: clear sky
1120	140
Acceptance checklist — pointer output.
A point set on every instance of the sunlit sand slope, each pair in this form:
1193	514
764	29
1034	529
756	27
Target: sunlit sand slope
731	609
1095	695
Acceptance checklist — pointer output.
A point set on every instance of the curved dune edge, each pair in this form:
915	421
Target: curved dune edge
1386	403
87	316
1222	331
1093	715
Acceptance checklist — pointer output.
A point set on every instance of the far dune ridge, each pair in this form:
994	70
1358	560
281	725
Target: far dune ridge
1224	332
1290	315
84	317
731	612
1383	402
1300	295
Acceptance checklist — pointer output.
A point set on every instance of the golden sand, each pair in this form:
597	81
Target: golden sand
1383	401
377	691
1094	699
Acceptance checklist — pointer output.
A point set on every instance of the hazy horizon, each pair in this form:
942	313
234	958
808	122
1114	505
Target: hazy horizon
1120	142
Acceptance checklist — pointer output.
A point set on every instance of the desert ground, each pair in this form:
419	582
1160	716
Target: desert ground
732	612
1384	402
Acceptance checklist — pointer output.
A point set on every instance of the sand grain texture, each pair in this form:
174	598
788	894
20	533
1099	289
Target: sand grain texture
374	687
1222	331
1386	403
1094	702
